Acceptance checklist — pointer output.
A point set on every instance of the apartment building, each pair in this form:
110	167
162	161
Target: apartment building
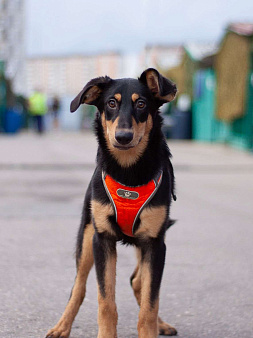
66	75
162	56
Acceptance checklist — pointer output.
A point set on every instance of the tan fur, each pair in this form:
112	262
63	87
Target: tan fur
109	128
107	310
135	97
152	219
101	212
136	284
126	158
164	328
148	315
125	130
118	97
152	81
153	84
136	281
91	95
168	98
140	128
63	327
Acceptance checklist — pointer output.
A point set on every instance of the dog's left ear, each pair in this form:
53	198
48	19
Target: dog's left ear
162	88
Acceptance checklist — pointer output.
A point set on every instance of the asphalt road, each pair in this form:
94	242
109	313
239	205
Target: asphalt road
207	285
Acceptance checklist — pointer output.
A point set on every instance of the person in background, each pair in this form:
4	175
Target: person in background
38	109
55	107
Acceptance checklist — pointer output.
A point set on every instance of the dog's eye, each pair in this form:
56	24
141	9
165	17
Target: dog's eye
141	104
112	103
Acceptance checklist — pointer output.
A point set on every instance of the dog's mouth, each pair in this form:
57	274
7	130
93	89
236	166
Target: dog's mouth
121	147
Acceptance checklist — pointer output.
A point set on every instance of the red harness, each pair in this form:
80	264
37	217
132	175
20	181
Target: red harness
128	202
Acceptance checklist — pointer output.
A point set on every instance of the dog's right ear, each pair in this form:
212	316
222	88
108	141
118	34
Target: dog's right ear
90	93
162	89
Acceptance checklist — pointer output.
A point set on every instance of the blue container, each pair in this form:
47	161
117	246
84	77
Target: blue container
13	121
181	129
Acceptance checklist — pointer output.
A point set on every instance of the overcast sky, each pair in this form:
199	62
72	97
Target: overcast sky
82	26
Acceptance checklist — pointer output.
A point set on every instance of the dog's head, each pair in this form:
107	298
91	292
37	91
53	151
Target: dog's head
127	108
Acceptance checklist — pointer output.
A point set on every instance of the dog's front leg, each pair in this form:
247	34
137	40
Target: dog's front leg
84	265
104	248
152	264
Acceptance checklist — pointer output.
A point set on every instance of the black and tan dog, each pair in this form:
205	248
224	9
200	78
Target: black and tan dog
128	199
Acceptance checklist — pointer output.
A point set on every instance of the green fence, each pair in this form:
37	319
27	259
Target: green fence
204	83
242	129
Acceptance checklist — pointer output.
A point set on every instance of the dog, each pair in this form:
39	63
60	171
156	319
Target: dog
128	200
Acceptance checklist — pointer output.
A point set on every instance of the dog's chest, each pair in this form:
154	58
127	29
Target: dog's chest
131	203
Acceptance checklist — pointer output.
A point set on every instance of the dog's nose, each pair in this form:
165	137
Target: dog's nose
124	137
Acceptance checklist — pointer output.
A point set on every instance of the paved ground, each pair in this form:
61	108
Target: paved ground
207	285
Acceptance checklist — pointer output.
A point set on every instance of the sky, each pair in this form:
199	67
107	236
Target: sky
56	27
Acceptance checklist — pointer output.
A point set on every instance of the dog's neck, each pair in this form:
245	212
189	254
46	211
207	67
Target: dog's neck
154	158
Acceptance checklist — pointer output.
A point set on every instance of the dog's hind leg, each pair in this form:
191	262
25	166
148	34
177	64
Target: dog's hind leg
84	264
135	280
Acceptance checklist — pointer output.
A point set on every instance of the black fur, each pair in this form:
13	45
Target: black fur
128	104
155	157
103	247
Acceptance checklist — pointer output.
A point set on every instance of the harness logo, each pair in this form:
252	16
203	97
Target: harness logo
131	195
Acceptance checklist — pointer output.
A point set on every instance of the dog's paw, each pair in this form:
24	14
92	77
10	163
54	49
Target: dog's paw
166	329
61	330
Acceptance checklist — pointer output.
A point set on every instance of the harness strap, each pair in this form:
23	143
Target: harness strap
128	202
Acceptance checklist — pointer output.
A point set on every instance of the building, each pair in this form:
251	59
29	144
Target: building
191	60
232	64
161	56
12	48
223	91
67	75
